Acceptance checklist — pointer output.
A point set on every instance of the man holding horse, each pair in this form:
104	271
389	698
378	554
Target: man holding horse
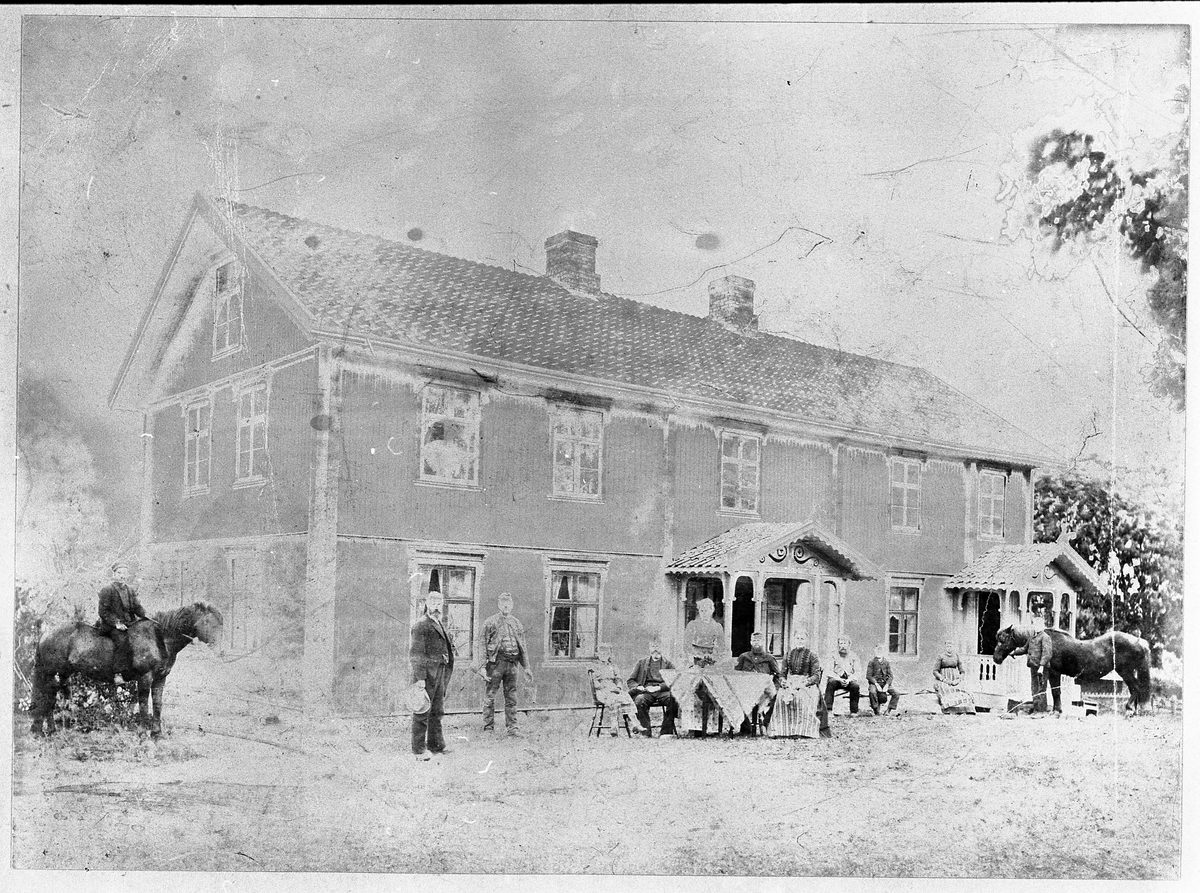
1038	652
120	607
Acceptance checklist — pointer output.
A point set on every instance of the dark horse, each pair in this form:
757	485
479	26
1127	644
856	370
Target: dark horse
1088	661
77	648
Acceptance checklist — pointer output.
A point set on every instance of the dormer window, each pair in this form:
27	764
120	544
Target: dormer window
228	329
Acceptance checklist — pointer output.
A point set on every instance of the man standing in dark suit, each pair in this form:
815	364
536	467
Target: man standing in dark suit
431	655
119	607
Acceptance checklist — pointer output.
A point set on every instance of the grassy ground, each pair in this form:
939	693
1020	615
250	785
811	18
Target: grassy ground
238	784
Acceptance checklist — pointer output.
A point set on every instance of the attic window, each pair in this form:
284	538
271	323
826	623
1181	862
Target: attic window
229	330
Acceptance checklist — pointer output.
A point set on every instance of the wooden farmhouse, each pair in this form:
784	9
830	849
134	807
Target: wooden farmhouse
336	423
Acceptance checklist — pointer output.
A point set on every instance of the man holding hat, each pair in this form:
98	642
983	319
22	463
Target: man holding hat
431	655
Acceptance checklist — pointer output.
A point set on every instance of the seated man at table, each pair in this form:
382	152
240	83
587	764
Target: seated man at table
647	688
758	660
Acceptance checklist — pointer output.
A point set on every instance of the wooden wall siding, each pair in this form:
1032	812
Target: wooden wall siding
937	548
697	488
863	475
278	506
797	482
381	495
270	333
373	625
372	628
177	574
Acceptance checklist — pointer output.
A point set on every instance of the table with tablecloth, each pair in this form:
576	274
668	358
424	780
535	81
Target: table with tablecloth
736	693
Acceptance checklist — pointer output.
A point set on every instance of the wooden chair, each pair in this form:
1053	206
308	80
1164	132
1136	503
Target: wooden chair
600	709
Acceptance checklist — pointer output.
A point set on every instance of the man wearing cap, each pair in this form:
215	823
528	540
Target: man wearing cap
880	683
1038	651
119	607
647	688
843	674
431	656
500	650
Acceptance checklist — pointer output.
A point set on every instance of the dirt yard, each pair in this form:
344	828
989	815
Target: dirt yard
240	784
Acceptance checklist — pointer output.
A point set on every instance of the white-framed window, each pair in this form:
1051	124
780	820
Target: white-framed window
991	503
244	627
905	476
575	593
904	602
577	437
739	471
251	461
1041	604
229	328
457	578
449	436
197	446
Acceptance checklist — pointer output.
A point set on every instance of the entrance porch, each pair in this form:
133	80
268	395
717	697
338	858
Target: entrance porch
771	578
1008	586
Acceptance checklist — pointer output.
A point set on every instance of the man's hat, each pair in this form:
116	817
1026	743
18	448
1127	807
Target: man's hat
416	699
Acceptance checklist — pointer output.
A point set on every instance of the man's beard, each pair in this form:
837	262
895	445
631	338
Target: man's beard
435	614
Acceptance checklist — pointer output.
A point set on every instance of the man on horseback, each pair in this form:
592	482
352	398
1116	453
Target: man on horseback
119	607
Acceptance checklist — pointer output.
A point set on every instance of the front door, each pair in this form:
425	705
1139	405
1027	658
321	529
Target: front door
743	616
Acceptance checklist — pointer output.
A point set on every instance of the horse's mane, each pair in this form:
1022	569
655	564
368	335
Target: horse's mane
182	620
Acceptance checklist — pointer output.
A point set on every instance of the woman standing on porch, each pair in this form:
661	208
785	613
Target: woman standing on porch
948	675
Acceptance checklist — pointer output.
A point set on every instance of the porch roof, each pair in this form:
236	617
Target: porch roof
1017	567
744	547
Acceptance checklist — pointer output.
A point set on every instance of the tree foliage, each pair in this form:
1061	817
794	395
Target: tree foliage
64	541
1081	194
1137	551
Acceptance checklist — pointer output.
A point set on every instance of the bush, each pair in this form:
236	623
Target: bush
92	705
27	631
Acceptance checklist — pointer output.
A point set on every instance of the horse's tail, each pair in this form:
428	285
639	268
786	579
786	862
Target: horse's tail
44	690
1143	674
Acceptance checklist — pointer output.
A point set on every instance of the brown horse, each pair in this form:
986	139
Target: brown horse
1088	661
77	648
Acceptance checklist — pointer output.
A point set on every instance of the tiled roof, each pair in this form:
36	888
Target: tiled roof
374	287
738	548
1013	567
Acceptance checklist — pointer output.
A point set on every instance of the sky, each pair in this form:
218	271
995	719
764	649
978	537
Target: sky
858	173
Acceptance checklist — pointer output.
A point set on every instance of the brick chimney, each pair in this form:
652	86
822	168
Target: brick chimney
571	261
731	303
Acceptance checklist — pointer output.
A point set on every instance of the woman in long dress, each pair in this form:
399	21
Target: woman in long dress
610	691
799	698
948	676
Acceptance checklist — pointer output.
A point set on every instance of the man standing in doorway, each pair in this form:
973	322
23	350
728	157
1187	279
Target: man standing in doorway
431	655
501	649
